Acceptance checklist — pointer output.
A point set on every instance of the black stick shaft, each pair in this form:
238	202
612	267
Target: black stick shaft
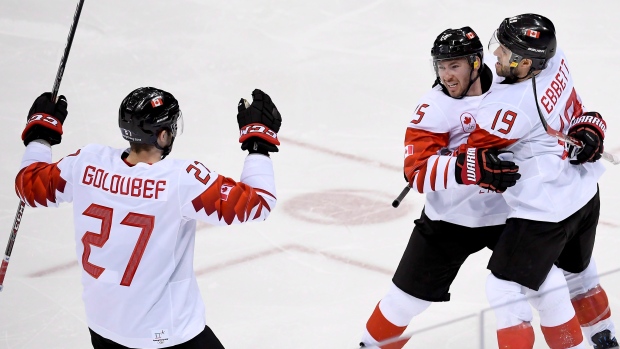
400	197
65	56
20	208
9	246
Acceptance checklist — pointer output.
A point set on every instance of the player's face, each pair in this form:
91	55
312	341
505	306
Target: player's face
503	54
502	66
454	75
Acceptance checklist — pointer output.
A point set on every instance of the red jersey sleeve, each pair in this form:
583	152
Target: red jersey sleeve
222	200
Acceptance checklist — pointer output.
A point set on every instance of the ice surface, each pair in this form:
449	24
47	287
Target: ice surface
346	76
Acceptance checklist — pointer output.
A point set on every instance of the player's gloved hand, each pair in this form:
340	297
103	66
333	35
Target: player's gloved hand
45	119
485	168
590	130
259	124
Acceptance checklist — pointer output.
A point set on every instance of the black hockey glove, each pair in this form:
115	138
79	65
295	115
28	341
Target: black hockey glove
590	130
484	168
259	124
45	119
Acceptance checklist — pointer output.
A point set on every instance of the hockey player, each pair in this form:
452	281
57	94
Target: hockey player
555	205
455	222
135	213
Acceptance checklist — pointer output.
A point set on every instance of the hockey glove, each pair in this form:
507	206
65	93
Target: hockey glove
45	119
485	168
590	130
259	124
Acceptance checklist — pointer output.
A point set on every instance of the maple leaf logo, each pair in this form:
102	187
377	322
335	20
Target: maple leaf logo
156	102
468	122
224	191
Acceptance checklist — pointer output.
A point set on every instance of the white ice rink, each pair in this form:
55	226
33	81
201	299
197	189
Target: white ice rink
346	76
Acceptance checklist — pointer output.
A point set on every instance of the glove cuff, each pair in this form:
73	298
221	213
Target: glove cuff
591	120
467	171
45	120
42	126
258	130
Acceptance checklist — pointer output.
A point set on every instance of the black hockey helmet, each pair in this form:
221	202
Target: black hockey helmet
529	36
455	43
145	112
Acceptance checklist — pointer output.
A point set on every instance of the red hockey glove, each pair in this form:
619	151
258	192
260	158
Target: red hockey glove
484	168
590	130
45	119
259	124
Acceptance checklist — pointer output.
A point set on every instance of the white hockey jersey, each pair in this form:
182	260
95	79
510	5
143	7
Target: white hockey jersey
440	124
550	188
134	231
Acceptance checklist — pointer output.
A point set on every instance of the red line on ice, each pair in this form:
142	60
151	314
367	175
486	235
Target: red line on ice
340	154
245	259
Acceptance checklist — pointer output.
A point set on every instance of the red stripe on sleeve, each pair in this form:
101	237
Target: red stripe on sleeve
424	144
420	179
434	174
38	183
445	174
238	201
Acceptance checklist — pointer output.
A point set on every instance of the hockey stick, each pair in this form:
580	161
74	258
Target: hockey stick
614	159
401	196
9	246
65	56
20	208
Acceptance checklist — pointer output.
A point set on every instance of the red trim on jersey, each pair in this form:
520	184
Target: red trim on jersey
481	138
264	192
132	165
76	153
241	200
445	174
421	175
425	144
434	174
38	183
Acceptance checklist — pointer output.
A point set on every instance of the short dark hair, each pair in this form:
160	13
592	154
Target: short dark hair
140	147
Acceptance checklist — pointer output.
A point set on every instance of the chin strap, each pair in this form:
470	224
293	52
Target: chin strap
165	150
514	78
471	80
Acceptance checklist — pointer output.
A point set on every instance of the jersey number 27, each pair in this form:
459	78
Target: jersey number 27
145	222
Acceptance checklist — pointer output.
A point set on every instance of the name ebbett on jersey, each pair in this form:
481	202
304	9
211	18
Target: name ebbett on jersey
145	188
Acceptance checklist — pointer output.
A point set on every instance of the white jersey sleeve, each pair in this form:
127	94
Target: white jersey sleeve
41	182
